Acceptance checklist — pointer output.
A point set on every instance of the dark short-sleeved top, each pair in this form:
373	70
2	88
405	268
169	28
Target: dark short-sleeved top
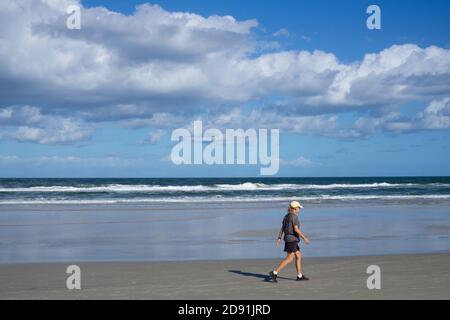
290	220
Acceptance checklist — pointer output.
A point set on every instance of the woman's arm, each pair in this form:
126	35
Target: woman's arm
301	235
280	236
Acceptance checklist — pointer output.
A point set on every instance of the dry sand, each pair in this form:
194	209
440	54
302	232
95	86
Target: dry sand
424	276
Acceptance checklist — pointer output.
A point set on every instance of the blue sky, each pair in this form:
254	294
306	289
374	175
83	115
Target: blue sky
102	101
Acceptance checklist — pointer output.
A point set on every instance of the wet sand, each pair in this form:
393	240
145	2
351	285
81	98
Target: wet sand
132	232
415	276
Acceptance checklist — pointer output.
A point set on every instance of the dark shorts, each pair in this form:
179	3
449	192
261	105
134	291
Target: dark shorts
291	247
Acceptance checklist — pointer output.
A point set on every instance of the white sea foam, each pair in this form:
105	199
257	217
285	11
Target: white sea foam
108	188
228	199
262	186
247	186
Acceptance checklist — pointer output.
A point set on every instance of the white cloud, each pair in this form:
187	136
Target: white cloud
436	116
8	158
160	69
236	118
281	32
149	54
396	74
107	161
155	136
306	38
298	162
161	120
33	126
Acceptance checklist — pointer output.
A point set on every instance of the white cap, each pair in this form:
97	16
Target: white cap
295	204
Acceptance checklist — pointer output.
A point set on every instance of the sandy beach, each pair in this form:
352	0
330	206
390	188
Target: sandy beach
223	250
419	276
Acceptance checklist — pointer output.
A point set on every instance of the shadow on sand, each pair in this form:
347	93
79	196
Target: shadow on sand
264	277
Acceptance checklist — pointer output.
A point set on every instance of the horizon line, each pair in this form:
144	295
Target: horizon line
240	177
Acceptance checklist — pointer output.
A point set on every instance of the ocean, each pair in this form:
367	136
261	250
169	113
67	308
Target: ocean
207	190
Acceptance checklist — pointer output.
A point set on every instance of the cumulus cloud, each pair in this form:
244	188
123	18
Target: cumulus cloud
160	120
33	126
396	74
236	117
436	116
153	55
160	69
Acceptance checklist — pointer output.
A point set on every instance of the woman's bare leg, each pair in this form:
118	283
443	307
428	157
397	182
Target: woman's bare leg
285	262
298	262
